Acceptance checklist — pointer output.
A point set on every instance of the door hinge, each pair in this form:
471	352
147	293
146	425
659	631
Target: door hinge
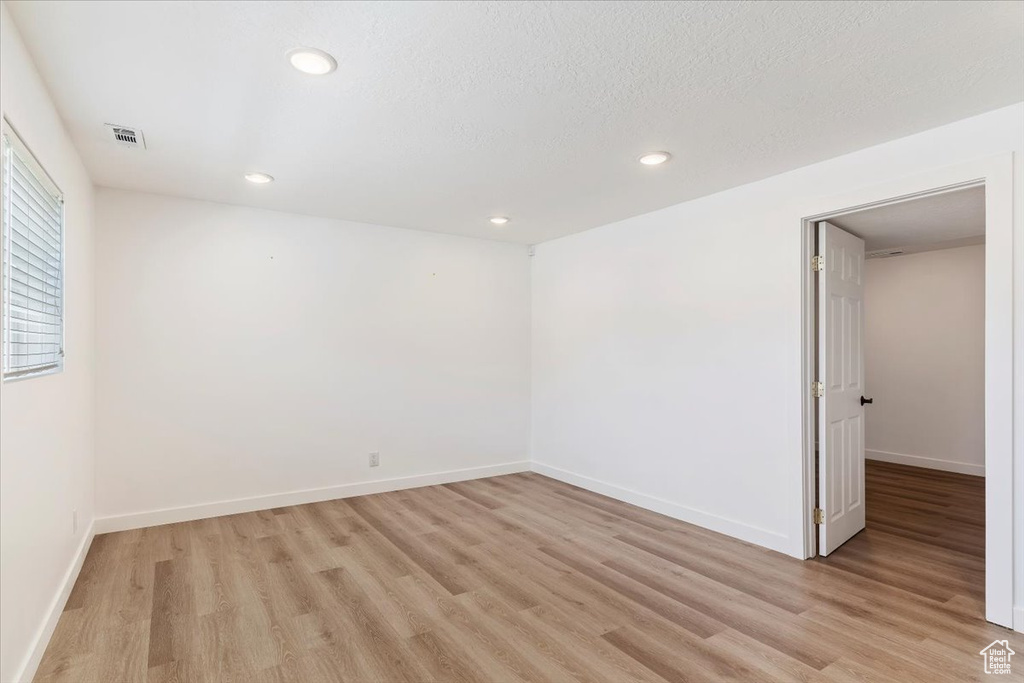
819	516
817	389
817	263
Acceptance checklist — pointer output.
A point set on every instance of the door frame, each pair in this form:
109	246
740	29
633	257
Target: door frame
996	175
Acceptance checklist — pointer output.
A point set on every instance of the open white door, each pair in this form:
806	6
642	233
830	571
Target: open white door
841	373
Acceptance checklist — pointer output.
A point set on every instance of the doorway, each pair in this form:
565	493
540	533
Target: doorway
993	177
901	471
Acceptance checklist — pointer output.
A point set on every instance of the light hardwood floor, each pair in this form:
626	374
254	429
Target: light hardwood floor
522	578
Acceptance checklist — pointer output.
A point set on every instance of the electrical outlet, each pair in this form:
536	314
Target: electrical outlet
374	459
74	521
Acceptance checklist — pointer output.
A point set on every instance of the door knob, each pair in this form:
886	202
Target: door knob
866	400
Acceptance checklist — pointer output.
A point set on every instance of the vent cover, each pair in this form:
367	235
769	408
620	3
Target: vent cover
127	137
884	253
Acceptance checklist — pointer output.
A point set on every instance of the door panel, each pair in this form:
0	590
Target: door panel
841	361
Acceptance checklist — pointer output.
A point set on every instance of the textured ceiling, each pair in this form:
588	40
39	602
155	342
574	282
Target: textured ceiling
442	114
947	219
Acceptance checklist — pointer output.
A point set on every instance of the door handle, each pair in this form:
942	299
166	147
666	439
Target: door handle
866	400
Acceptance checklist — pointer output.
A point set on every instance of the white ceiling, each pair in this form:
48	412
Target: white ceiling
950	219
442	114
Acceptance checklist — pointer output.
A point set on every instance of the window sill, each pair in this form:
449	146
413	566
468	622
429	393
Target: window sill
32	374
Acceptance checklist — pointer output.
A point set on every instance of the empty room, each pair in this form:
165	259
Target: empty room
511	341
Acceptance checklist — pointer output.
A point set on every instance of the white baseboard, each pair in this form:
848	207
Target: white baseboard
138	520
1018	619
921	461
45	630
723	525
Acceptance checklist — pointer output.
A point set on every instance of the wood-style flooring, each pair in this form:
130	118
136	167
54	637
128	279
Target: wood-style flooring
523	578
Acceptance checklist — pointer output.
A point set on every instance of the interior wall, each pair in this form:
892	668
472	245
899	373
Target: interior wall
246	353
667	347
46	423
924	353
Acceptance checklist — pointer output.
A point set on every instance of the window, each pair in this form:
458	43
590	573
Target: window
33	264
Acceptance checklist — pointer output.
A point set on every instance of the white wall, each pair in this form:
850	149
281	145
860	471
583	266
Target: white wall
667	347
46	423
245	353
924	353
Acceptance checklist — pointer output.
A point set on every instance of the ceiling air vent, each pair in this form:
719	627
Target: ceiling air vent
884	253
128	137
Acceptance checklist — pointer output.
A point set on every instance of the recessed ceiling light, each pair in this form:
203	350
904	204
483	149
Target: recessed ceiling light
655	158
310	60
499	220
259	178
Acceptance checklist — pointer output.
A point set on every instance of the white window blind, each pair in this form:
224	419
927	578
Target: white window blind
33	267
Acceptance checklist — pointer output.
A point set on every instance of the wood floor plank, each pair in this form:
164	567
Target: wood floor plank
738	578
552	659
386	652
677	612
445	662
476	494
558	626
172	613
764	622
521	578
417	552
662	661
475	637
